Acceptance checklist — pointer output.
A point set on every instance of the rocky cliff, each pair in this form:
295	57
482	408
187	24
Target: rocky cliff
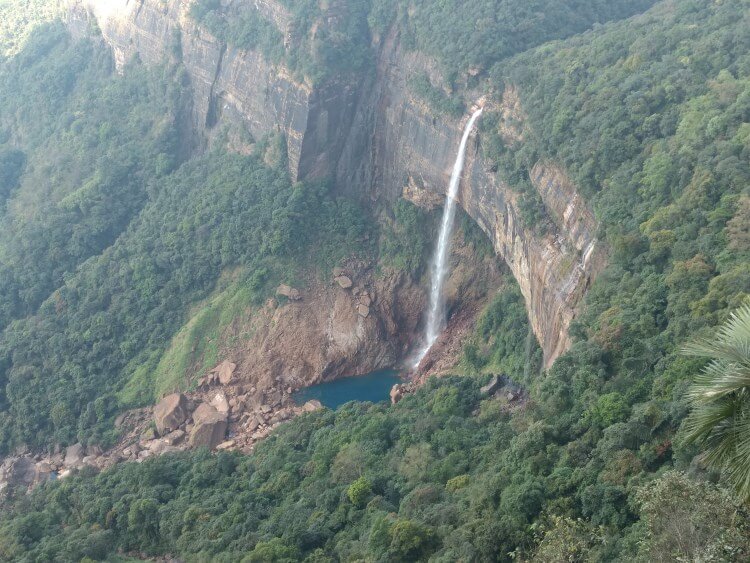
374	136
230	86
398	145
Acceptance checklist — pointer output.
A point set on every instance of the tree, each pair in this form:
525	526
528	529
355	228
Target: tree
359	491
688	520
720	400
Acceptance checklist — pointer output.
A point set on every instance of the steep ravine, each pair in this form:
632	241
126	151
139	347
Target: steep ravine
373	136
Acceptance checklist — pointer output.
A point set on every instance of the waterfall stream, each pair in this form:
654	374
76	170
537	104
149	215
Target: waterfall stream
439	269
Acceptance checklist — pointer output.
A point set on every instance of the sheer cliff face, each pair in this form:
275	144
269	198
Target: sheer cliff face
230	85
374	136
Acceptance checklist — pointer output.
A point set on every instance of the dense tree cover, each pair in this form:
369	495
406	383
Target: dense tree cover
77	148
503	341
104	247
406	238
322	40
110	320
475	35
650	117
444	475
17	20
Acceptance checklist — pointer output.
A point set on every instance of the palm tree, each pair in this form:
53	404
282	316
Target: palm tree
720	400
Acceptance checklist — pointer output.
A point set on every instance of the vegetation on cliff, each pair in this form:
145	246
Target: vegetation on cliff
102	273
315	41
467	38
321	39
648	115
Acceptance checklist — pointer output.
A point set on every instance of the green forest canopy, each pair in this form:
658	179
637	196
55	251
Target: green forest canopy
651	117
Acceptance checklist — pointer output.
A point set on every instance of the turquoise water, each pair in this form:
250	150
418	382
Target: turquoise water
373	387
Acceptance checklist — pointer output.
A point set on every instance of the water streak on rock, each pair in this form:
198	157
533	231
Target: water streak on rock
439	269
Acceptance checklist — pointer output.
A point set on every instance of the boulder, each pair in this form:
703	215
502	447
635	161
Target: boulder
363	310
397	393
253	423
344	282
159	447
209	427
312	405
120	419
338	272
289	292
226	445
20	472
225	372
89	460
74	455
44	472
174	437
170	413
494	384
365	300
219	402
274	397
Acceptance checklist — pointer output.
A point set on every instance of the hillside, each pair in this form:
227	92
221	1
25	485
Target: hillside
186	183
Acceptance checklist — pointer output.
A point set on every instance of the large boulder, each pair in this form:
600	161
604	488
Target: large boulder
397	393
289	292
494	384
74	455
44	472
17	472
170	413
312	405
209	427
344	282
225	372
219	402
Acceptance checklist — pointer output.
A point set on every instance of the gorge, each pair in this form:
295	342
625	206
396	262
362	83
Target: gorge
228	226
373	136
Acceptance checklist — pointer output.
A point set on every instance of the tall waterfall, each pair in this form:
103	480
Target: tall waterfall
438	269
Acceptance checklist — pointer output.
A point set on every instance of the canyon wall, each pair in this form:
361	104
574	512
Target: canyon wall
372	135
413	149
230	85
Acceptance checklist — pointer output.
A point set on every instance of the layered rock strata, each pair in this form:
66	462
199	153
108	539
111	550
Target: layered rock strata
230	85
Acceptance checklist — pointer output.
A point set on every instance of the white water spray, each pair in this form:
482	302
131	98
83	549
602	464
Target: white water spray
436	312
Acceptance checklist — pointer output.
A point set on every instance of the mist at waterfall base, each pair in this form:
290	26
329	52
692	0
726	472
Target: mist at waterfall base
439	265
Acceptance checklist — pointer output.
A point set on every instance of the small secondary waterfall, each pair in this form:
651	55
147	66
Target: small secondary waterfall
436	312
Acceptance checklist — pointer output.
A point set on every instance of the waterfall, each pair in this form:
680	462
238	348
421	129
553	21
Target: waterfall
438	269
